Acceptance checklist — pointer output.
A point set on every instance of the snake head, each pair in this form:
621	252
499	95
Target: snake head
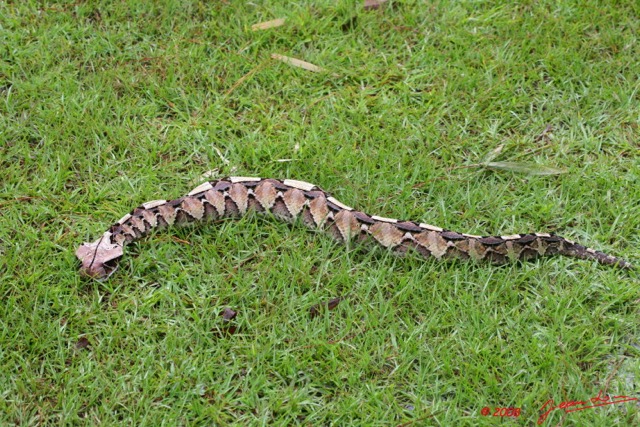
100	258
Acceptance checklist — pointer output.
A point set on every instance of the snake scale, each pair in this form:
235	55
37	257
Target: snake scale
292	200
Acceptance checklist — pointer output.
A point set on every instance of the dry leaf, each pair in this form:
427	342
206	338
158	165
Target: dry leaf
297	63
97	258
229	314
82	343
268	24
227	327
316	309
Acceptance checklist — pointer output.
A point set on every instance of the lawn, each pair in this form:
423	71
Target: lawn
106	105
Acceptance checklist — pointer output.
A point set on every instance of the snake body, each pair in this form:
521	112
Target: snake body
292	200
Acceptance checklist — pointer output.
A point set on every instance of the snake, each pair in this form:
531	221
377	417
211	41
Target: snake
299	201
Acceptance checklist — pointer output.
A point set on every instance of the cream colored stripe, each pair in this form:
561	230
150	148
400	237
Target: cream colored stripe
124	219
338	203
430	227
511	237
236	179
300	185
153	204
201	188
383	219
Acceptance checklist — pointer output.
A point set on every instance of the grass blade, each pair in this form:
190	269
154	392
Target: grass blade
526	168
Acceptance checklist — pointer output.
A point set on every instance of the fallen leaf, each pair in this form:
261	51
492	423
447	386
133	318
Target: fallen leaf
98	258
227	328
318	308
228	314
268	24
297	63
82	343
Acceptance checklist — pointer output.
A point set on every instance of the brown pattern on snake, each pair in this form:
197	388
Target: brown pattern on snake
291	200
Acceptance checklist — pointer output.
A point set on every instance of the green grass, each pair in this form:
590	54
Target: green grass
107	105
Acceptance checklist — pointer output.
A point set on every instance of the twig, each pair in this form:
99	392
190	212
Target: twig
245	77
